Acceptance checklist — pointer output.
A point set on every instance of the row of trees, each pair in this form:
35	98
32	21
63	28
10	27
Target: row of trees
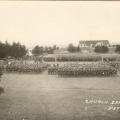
15	50
105	49
40	50
98	49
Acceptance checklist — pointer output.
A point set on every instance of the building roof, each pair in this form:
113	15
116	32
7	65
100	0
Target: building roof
94	42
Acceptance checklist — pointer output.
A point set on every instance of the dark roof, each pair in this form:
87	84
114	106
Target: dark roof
89	42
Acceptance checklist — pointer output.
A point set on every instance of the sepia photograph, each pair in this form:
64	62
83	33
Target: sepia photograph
59	60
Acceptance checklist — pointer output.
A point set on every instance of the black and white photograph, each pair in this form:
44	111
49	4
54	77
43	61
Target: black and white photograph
59	60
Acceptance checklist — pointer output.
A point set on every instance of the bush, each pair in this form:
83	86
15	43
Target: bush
117	50
101	49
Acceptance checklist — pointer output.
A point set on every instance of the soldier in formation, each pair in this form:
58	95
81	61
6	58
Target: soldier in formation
53	69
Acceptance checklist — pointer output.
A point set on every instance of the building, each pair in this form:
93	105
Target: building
89	45
93	43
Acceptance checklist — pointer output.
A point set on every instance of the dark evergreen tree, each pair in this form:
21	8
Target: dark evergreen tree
2	50
15	50
36	51
71	48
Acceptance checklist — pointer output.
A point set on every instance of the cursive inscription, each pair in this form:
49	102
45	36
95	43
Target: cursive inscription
113	105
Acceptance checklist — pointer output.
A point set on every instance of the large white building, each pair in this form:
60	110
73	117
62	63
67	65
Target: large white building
89	45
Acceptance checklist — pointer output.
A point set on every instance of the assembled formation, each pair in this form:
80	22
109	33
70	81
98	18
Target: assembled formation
84	69
98	68
25	67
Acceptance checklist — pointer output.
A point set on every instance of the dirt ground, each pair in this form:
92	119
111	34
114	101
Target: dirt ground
49	97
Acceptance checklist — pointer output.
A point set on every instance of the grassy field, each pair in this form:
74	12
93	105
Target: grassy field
48	97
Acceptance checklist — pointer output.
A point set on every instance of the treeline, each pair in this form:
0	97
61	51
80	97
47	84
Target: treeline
40	50
105	49
14	50
98	49
17	50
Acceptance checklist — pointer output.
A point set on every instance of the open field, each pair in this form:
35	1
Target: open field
48	97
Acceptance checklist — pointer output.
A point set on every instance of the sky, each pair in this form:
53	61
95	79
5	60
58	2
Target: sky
58	22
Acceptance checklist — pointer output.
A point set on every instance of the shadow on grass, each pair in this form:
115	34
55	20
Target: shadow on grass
87	76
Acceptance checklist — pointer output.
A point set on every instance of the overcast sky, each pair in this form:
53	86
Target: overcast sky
61	23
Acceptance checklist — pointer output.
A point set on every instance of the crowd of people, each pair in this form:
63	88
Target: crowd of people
84	69
25	67
87	69
68	69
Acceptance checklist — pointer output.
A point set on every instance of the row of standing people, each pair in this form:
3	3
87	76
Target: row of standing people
25	67
94	69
